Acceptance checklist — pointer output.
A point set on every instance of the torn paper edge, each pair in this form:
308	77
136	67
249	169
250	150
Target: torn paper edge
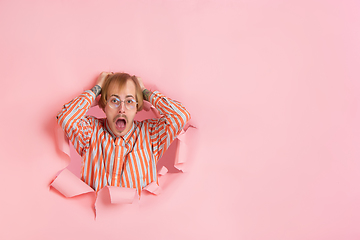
182	148
117	194
70	185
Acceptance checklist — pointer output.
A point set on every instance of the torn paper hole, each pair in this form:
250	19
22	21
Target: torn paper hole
71	185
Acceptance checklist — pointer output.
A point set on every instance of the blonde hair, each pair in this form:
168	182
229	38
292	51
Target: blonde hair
120	80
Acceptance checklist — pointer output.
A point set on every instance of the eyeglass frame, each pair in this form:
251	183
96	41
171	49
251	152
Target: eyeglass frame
132	99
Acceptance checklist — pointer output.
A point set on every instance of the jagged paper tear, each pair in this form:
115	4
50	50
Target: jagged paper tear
182	148
121	194
163	171
153	188
70	185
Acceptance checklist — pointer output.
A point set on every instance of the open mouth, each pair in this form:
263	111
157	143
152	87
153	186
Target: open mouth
120	124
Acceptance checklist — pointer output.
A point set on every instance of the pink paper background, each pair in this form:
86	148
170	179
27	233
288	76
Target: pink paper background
273	88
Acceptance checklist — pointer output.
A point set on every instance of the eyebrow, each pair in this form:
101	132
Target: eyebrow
119	96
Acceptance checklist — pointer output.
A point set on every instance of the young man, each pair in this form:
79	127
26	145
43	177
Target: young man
116	150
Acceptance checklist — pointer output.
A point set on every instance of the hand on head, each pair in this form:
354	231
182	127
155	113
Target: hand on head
102	77
140	83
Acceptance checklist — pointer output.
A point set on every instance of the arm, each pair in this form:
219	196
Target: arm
73	121
164	130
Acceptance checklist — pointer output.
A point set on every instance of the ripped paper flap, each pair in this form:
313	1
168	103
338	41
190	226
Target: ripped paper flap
62	140
70	185
182	148
153	188
121	194
163	171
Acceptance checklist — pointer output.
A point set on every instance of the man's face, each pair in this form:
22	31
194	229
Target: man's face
120	119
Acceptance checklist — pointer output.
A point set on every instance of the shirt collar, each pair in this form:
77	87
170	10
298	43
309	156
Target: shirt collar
127	136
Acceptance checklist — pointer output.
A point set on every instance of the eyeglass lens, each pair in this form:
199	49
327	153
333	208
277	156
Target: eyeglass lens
130	103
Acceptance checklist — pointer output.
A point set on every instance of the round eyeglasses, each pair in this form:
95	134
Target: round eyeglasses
115	102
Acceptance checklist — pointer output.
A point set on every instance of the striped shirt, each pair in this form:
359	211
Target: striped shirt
127	161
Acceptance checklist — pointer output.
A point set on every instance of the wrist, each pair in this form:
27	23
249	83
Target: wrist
146	94
96	90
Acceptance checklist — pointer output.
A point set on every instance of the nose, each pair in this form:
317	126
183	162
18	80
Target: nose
122	107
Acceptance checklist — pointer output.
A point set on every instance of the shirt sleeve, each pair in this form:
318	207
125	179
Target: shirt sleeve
77	126
164	130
